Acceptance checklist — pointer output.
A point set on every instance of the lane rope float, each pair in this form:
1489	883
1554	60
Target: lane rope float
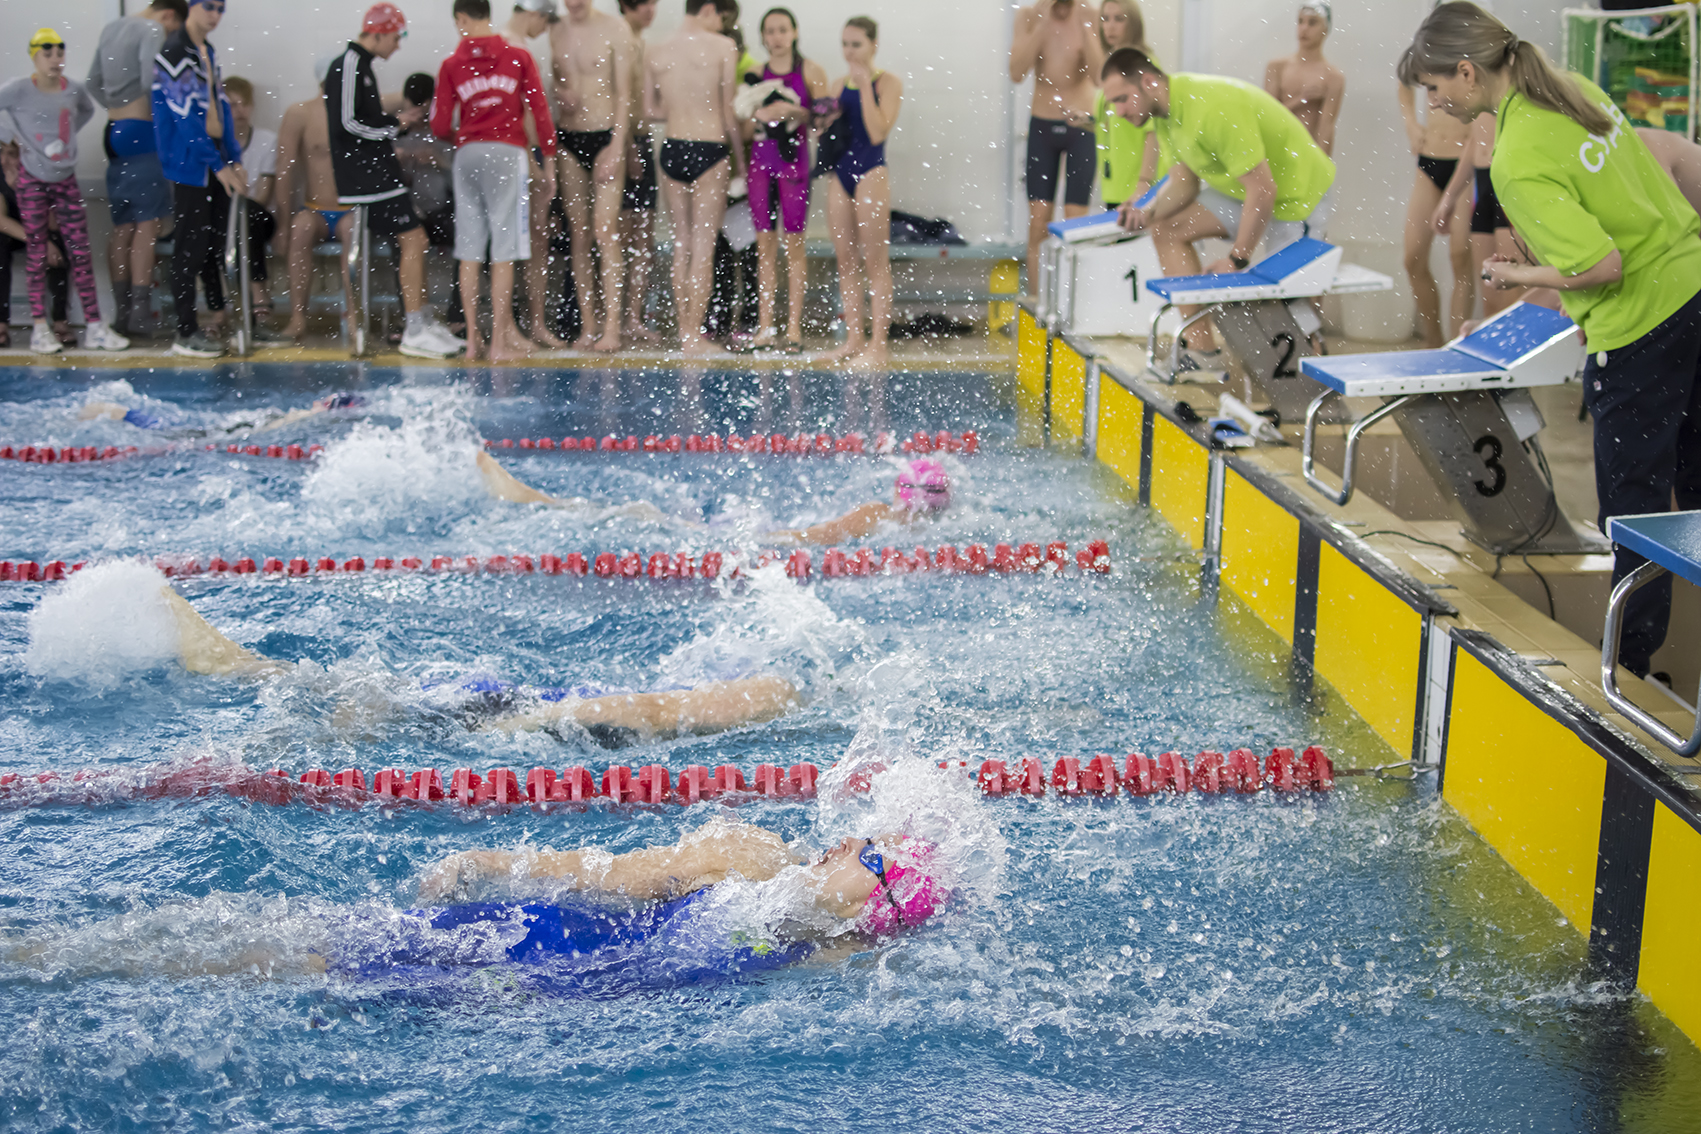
802	445
1002	559
1239	772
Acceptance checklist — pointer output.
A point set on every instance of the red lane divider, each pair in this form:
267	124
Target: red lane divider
654	785
277	452
1240	772
802	445
68	455
1003	559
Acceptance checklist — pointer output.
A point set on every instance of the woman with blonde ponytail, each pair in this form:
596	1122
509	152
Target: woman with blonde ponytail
1604	225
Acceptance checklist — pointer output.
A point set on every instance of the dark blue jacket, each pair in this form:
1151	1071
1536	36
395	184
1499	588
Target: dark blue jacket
180	114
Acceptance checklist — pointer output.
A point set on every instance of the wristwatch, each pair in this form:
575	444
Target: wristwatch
1240	262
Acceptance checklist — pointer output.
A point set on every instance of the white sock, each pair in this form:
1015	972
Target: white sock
417	322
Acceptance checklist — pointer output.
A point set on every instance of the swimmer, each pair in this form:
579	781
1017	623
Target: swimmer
112	411
503	485
922	489
727	899
613	719
1442	146
1307	83
306	172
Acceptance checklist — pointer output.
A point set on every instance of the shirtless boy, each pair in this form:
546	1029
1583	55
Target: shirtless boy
531	19
496	88
1305	82
638	206
304	158
1058	41
592	56
689	81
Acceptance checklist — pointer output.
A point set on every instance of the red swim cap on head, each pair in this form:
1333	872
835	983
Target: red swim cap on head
384	19
916	894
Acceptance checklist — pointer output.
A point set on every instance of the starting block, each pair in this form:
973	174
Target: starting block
1467	413
1671	542
1090	274
1264	313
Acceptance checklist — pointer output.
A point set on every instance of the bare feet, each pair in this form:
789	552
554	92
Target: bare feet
870	358
639	333
608	344
849	349
543	338
295	328
509	345
476	349
587	340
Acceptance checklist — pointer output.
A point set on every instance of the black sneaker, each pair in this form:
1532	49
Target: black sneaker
198	345
264	336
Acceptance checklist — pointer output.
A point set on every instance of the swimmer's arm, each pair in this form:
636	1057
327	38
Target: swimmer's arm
1463	175
202	649
504	486
112	411
1334	91
714	707
1408	111
855	524
290	418
1025	44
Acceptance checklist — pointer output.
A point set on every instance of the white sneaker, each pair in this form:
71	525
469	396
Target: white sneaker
44	341
427	343
98	336
450	342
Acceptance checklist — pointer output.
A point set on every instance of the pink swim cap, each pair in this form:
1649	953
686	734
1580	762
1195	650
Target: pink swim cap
916	895
924	486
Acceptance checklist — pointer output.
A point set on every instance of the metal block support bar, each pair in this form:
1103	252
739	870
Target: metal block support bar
238	268
1628	586
359	283
1175	345
1357	430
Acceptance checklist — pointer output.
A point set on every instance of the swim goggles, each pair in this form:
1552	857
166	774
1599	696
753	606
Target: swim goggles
876	865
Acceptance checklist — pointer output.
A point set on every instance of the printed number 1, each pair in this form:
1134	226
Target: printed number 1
1491	462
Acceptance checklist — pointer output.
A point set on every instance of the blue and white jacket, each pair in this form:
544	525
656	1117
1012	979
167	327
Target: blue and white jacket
180	113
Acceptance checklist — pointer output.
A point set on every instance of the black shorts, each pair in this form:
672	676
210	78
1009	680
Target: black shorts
1050	142
640	193
1438	169
392	216
1487	215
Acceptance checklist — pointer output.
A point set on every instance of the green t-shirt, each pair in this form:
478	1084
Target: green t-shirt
1121	147
1575	197
1222	129
747	65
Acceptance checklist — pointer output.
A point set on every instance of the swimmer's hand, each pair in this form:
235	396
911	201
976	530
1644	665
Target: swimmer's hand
1078	118
202	649
456	877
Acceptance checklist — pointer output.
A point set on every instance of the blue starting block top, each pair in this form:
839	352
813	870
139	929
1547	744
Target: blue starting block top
1099	225
1671	539
1522	346
1297	271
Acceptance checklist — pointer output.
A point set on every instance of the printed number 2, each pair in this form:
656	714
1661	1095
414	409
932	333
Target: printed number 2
1284	365
1491	462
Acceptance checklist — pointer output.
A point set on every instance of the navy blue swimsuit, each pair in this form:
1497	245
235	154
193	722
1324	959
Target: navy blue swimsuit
861	156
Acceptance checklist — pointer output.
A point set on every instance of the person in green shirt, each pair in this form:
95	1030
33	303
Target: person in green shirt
1245	169
1601	223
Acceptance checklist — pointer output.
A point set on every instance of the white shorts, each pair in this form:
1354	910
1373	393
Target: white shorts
492	203
1278	234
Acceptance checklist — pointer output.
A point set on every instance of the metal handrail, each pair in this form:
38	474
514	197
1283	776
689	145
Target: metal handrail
1307	458
359	285
1610	633
237	266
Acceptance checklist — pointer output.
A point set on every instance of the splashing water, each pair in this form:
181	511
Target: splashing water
106	623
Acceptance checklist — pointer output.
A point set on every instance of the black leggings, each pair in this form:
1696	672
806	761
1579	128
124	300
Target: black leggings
202	212
262	227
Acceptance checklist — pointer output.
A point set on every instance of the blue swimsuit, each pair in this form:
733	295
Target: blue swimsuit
861	156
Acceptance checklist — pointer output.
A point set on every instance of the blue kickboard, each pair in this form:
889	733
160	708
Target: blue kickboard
1515	334
1671	539
1280	265
1336	371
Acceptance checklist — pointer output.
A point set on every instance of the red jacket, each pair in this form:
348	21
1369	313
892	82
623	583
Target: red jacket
492	82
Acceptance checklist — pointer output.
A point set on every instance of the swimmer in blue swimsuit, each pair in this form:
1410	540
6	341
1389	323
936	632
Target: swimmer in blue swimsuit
859	202
112	411
611	719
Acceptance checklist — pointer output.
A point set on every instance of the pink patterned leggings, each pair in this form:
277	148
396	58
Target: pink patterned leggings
35	200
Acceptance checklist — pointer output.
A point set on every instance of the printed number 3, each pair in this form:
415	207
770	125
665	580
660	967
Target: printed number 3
1491	462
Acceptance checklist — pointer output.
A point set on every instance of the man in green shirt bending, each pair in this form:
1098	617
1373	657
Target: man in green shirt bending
1245	169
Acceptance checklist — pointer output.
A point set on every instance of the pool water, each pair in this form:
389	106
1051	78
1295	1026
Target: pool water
1356	961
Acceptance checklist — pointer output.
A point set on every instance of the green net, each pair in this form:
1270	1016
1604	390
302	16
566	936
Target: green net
1642	62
